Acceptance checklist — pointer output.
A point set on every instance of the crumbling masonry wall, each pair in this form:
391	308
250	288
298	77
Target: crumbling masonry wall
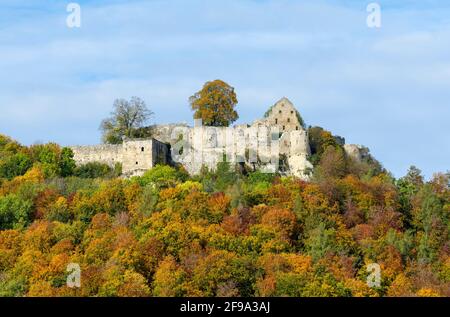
136	156
108	154
260	147
279	135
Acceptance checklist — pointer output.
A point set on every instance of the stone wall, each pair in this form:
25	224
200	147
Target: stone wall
284	115
108	154
136	156
160	153
295	145
279	135
255	146
167	133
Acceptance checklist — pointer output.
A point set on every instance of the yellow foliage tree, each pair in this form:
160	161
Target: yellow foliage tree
215	104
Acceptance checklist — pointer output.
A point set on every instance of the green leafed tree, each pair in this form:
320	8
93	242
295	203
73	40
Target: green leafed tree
92	170
67	163
15	165
319	140
127	120
15	213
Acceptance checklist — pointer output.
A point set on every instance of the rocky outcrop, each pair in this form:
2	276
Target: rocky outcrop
357	152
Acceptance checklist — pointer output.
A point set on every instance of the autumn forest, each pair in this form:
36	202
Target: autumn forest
227	232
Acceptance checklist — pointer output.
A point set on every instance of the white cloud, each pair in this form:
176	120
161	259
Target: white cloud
387	89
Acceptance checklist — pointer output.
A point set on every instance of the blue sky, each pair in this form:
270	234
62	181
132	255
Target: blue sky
387	88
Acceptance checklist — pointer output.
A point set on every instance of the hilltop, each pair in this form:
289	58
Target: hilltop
223	232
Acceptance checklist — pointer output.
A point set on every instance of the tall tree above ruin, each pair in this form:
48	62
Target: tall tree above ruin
128	119
215	104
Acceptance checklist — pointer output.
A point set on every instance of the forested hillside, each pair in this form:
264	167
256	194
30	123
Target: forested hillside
224	233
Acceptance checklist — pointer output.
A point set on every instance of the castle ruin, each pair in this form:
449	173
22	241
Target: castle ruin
135	156
276	143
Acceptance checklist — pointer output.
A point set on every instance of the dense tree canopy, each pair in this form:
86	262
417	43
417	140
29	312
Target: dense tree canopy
215	104
220	233
127	120
16	160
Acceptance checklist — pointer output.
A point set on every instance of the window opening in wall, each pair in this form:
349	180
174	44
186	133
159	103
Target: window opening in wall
276	121
137	163
283	128
289	119
142	149
279	112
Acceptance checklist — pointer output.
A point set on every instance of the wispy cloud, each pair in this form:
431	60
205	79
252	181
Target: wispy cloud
385	88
